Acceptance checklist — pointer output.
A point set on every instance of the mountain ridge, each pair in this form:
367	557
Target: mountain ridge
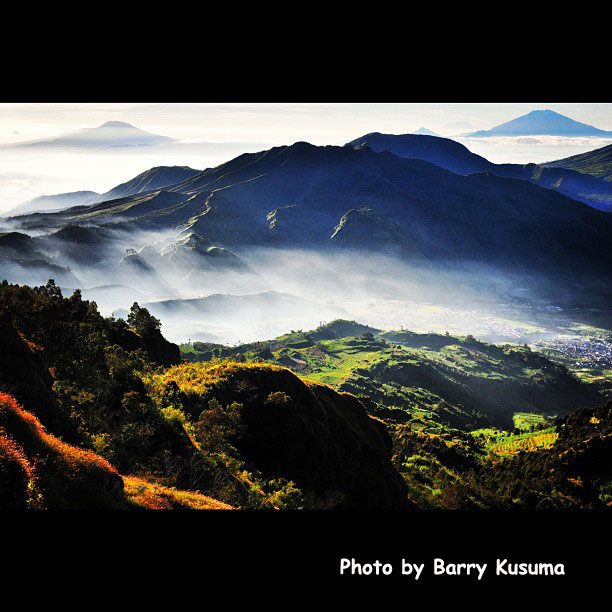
456	157
597	163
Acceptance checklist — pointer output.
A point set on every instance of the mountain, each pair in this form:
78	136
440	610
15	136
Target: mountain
108	135
442	152
47	203
597	163
474	425
446	217
459	159
425	132
541	123
151	180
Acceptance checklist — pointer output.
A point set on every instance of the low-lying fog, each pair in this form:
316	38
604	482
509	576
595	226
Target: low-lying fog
274	291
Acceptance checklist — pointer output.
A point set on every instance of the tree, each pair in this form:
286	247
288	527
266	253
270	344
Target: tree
50	289
142	321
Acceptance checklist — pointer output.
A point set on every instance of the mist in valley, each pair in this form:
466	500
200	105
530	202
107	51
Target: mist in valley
202	292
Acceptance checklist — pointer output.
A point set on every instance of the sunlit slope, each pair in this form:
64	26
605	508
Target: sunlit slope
40	472
433	380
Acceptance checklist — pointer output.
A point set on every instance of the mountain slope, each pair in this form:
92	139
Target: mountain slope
153	179
597	163
442	152
457	158
541	122
47	203
322	440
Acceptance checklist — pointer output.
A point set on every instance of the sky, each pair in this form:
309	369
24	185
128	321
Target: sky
325	123
27	174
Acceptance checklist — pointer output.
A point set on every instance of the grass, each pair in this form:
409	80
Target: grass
145	495
529	420
414	377
197	378
511	445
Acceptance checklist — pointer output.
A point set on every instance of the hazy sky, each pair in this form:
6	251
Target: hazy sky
278	123
27	173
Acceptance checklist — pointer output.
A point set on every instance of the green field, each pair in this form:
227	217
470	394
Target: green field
435	382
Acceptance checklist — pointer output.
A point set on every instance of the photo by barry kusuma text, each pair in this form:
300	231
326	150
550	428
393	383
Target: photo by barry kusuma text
440	567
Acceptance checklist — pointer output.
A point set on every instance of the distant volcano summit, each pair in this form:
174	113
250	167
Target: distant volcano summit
541	123
117	124
109	134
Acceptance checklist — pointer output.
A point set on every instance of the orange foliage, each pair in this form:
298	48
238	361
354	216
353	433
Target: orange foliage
151	496
72	455
31	345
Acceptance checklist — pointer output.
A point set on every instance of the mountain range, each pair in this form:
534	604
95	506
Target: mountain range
331	197
541	122
457	158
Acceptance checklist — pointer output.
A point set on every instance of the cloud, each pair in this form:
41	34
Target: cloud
531	149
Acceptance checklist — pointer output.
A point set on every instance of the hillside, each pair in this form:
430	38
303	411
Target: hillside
431	421
152	179
442	152
324	441
597	163
245	436
40	472
431	381
457	158
474	425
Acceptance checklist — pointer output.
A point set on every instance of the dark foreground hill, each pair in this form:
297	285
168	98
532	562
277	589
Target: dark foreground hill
248	436
585	187
324	441
40	472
